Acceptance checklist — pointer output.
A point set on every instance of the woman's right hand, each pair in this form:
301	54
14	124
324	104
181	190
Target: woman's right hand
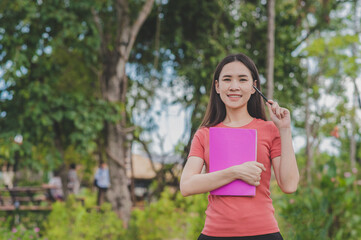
250	172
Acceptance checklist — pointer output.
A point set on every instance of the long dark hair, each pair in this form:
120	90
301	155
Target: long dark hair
216	110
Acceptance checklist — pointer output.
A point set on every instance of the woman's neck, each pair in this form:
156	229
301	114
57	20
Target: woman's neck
237	117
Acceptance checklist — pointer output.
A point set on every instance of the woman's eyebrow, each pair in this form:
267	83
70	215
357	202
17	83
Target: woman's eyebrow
231	76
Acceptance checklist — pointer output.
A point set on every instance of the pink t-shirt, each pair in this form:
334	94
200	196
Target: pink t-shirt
233	216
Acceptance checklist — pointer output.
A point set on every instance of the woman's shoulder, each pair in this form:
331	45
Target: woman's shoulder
265	123
266	126
202	131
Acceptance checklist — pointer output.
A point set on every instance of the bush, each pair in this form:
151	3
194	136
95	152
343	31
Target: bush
171	217
194	208
70	220
20	232
21	224
327	209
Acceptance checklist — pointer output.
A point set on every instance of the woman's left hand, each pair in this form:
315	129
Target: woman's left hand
280	116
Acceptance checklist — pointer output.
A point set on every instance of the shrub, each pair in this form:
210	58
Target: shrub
171	217
70	220
20	232
326	209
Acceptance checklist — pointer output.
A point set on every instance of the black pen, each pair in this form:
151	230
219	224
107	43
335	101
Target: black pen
264	97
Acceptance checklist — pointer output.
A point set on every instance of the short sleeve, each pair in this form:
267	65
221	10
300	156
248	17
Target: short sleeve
197	146
276	142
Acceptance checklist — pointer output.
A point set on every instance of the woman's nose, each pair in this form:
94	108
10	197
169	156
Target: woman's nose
234	85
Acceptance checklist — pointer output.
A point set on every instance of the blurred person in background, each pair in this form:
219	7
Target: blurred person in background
57	190
102	182
73	181
7	175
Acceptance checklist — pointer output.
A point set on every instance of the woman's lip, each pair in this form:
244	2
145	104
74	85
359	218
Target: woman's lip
234	95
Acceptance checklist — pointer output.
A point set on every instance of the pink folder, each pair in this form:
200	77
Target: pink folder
229	147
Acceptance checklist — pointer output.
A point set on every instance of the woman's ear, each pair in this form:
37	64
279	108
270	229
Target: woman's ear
217	86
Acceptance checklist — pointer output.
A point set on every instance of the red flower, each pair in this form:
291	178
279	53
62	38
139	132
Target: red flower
335	133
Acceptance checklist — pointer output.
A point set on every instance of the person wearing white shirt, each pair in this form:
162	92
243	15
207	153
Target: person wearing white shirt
102	182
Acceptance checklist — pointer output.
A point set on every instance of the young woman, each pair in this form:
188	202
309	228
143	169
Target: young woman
234	103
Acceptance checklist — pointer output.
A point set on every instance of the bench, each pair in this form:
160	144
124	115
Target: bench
9	208
26	198
37	198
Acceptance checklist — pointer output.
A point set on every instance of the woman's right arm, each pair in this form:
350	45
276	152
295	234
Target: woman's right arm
194	182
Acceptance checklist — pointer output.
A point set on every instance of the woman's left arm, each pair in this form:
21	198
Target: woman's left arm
285	166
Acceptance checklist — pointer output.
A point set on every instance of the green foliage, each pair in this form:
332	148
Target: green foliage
20	232
194	207
326	209
51	69
49	120
334	56
25	225
48	59
164	218
71	220
171	217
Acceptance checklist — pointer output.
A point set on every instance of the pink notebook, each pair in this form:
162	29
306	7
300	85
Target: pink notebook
229	147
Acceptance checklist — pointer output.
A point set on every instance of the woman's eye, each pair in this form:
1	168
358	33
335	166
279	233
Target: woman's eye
243	80
226	79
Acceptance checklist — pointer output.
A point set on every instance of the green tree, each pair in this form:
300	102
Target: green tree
330	65
51	102
199	43
64	66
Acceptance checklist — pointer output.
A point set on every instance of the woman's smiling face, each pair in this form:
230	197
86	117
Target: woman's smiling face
235	85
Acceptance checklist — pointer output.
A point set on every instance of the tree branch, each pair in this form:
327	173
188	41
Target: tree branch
157	40
307	36
318	26
98	24
122	10
143	14
357	93
146	149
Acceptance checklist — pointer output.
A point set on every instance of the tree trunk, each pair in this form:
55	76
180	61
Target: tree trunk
352	137
116	144
309	149
118	194
114	84
132	182
355	95
62	170
270	48
353	142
